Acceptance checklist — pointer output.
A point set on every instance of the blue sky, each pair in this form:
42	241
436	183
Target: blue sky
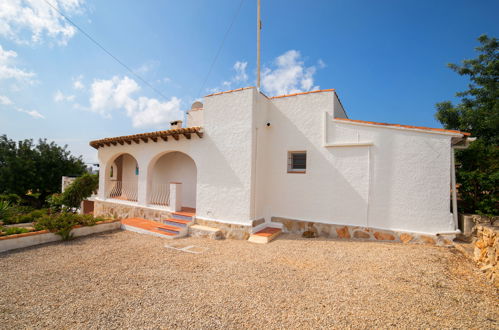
386	59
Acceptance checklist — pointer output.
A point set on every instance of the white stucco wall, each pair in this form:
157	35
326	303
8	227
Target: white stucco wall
401	182
177	167
223	158
195	118
410	176
398	179
129	165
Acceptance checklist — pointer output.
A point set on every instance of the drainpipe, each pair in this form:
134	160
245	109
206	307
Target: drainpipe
453	183
466	144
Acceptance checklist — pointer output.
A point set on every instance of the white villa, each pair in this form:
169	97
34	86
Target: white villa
245	161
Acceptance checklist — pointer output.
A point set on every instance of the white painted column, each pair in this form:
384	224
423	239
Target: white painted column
101	194
142	193
176	196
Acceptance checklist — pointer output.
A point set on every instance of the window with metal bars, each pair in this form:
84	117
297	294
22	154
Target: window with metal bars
297	161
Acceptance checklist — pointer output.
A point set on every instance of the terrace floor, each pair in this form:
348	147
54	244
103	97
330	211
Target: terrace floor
124	279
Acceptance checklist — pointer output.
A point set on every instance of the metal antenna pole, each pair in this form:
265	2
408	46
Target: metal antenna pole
258	28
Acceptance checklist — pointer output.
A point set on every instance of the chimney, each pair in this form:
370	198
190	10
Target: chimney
176	124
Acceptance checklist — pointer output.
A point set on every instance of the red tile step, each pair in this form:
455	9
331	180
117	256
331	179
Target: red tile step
152	227
265	235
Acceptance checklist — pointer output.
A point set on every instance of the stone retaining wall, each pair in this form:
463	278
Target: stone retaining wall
123	211
229	230
359	233
486	252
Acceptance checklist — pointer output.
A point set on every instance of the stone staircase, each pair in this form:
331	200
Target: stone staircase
180	224
174	227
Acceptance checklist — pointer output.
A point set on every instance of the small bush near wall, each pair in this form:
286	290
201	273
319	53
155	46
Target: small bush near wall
63	223
18	216
13	231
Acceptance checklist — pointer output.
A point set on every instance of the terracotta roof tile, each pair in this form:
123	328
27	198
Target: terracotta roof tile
234	90
317	91
175	132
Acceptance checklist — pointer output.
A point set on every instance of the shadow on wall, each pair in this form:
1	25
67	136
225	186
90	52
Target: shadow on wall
336	178
172	166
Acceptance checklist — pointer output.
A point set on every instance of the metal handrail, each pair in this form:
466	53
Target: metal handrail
160	194
124	190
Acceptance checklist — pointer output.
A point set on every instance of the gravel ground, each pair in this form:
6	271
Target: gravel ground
127	280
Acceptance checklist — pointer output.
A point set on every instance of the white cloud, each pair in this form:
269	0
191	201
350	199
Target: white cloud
77	83
5	100
241	74
117	93
8	70
237	80
60	97
289	76
30	21
147	66
33	113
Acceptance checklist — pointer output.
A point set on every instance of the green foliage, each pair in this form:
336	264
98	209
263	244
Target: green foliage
82	188
35	170
20	214
13	230
4	209
54	202
477	113
63	223
13	199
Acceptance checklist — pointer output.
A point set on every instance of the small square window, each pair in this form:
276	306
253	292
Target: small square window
297	161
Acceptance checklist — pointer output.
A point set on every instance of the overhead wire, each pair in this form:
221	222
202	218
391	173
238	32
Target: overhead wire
236	14
107	51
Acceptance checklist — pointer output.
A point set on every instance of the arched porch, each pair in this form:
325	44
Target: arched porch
172	181
122	174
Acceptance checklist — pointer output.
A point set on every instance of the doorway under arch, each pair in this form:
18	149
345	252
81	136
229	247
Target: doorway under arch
122	175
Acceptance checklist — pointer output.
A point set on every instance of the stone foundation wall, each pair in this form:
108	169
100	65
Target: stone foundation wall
359	233
122	211
229	230
486	252
468	223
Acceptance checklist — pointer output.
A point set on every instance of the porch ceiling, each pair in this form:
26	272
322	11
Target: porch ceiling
145	137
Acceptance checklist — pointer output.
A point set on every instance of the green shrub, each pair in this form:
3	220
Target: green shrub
63	223
55	202
23	215
13	199
4	209
13	231
80	189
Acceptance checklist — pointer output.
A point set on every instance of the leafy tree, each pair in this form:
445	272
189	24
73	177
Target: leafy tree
477	113
83	187
34	171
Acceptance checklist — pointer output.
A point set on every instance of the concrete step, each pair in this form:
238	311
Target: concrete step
177	222
265	235
205	232
182	216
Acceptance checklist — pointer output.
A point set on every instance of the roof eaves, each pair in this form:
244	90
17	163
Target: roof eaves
404	127
145	136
